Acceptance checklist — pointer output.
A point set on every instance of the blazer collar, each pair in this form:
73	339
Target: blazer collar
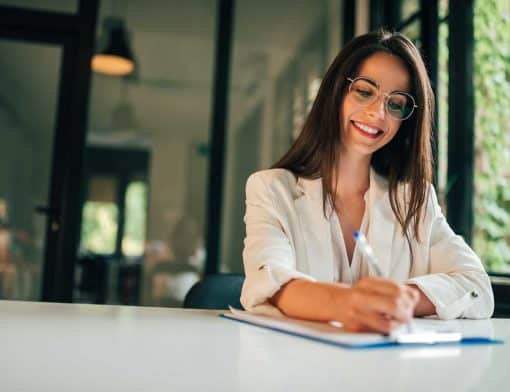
309	187
313	187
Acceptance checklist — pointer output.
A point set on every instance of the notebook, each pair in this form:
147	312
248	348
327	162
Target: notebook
420	332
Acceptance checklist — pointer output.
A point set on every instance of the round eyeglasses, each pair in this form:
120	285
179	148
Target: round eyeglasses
364	92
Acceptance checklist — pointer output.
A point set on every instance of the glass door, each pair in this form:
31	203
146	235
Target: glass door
29	76
44	73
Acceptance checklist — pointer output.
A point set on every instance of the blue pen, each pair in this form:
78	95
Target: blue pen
367	251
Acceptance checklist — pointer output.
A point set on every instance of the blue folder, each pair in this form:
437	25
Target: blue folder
329	334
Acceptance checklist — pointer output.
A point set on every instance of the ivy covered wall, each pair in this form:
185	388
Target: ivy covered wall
492	132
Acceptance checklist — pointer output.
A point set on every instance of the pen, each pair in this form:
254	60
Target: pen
367	251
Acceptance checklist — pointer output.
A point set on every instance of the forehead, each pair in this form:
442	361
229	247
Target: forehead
387	70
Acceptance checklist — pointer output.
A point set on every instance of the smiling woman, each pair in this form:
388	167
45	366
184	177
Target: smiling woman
362	162
376	119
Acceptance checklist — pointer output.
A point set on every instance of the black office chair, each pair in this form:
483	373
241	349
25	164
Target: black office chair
93	283
215	291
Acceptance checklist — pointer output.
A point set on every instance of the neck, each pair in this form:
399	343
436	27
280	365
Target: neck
352	174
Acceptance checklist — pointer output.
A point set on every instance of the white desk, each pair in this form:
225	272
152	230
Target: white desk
70	347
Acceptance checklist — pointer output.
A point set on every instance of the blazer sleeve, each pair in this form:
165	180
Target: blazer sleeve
457	283
268	255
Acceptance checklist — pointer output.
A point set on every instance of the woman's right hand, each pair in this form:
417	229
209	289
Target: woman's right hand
375	305
371	305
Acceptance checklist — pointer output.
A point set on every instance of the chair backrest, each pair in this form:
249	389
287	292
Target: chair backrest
215	292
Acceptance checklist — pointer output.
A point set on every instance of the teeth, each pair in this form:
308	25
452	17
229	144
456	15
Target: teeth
367	129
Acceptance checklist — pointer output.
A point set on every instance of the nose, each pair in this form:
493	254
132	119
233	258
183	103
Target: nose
377	108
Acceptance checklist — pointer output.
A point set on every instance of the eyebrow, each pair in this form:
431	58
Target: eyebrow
375	84
371	81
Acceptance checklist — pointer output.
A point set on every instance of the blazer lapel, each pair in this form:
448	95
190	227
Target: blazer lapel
381	229
316	230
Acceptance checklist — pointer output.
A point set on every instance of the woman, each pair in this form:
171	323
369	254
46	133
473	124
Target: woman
363	162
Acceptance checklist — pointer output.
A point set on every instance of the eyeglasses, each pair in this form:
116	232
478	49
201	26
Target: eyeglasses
364	92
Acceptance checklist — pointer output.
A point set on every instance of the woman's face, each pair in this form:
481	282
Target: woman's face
366	129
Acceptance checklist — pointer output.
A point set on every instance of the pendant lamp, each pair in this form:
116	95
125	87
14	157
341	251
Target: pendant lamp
117	58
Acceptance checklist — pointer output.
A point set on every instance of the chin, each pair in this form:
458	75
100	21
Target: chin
363	150
360	149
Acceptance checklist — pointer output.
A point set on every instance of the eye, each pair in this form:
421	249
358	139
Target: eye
397	103
363	92
395	106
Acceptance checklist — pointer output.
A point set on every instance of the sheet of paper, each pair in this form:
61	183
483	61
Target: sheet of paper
321	331
422	332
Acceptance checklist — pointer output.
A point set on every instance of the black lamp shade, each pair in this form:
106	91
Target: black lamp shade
117	59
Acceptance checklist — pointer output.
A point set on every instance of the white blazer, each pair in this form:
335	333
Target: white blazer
288	237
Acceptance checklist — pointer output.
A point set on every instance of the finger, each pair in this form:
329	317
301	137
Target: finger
398	308
376	322
403	297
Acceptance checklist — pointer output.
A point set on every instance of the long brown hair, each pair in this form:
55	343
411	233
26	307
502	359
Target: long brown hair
405	160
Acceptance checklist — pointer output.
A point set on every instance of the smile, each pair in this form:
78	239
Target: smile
367	131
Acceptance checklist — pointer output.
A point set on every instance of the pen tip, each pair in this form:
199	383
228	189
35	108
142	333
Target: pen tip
356	234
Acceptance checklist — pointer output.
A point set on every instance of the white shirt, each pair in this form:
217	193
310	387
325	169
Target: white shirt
288	236
348	272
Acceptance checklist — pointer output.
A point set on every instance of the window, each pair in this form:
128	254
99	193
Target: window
442	105
99	227
133	239
100	217
491	202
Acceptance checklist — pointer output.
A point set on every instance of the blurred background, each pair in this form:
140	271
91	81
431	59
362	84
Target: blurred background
123	183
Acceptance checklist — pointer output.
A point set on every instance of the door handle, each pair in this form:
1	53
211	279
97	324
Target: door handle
51	213
45	210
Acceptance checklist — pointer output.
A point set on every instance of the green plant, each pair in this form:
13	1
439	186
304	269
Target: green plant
492	124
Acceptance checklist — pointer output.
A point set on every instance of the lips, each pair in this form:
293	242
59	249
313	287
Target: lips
366	130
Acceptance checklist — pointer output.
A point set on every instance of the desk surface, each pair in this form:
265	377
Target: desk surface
71	347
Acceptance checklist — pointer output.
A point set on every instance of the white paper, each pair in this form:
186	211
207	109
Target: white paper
421	332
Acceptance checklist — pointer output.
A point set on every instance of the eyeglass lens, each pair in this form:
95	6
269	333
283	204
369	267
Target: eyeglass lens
398	105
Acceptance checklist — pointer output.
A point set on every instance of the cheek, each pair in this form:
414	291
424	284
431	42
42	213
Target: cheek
347	110
393	129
